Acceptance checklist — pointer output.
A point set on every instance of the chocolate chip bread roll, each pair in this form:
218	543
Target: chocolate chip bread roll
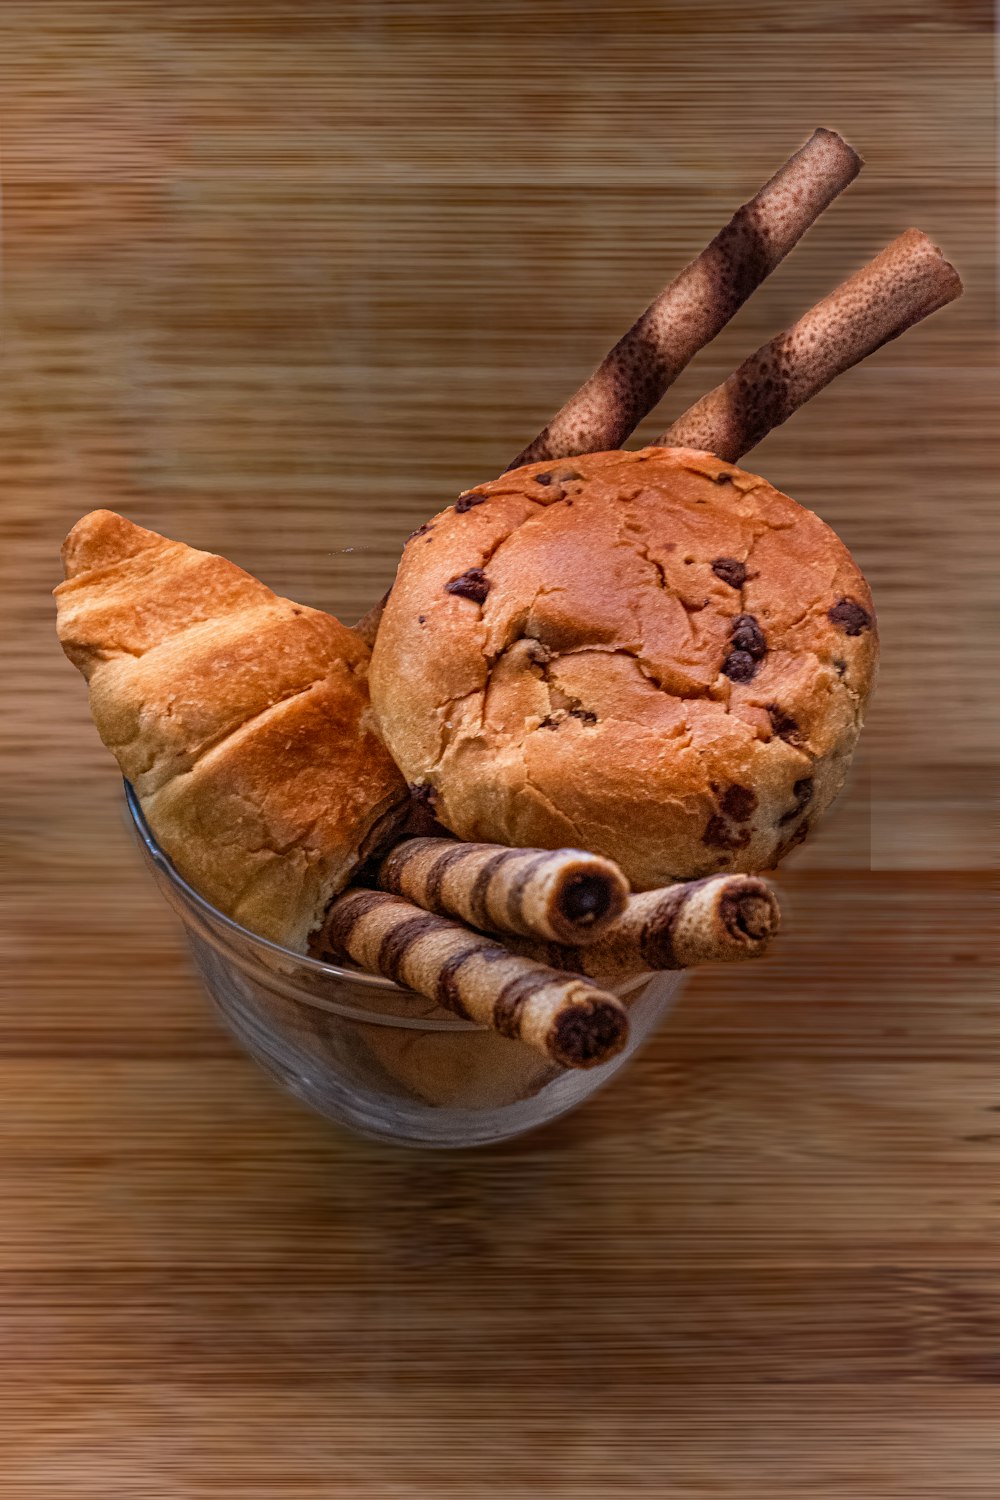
652	655
724	919
560	1015
560	895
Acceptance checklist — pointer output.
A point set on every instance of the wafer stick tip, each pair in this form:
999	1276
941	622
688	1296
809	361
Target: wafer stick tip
718	919
750	913
917	242
588	1034
834	137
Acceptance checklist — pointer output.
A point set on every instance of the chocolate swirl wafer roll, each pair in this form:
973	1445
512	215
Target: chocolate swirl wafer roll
689	313
558	895
560	1015
718	920
906	282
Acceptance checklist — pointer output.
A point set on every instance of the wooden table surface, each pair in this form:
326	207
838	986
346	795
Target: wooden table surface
279	278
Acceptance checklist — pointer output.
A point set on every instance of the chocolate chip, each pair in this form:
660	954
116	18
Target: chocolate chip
739	666
802	791
549	722
783	725
421	619
739	803
556	479
849	616
748	636
749	646
840	665
731	571
466	502
473	585
584	715
719	835
420	531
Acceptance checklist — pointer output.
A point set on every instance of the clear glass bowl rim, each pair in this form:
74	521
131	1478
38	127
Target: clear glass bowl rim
263	948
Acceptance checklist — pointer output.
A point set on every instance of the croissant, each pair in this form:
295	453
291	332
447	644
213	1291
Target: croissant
240	718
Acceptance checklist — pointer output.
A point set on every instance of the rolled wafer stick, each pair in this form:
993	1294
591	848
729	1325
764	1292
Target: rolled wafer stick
558	895
689	313
906	282
561	1015
717	920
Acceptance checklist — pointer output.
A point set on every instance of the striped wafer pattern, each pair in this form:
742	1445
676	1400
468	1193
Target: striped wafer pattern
722	919
561	895
560	1015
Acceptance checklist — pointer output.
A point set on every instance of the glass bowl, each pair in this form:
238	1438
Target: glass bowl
373	1056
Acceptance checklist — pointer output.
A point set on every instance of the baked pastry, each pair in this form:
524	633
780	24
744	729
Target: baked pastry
241	719
653	655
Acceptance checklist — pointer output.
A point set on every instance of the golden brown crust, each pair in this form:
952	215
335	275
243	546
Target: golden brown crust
241	719
607	692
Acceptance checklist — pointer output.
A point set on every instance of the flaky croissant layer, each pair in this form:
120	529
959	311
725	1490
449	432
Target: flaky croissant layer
241	719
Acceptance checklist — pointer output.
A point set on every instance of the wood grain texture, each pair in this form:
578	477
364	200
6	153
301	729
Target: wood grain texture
280	277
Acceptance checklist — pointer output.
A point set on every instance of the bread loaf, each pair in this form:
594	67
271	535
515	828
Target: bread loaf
652	655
